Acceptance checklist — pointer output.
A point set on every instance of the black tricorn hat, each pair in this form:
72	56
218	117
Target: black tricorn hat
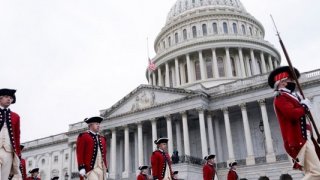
8	92
55	178
93	119
175	172
211	156
21	146
161	140
34	170
233	163
277	71
143	167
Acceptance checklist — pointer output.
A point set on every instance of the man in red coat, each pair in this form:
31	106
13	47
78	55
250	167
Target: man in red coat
208	169
232	174
143	173
23	169
295	127
92	151
160	161
9	136
34	174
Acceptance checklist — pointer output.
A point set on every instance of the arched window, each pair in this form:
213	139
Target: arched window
204	29
225	28
209	67
176	39
235	29
169	41
220	67
250	29
233	67
194	31
163	44
215	28
243	29
184	34
197	69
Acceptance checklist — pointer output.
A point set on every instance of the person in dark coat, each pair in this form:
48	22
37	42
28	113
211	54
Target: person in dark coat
296	129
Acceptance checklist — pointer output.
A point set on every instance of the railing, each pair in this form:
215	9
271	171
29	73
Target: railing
189	160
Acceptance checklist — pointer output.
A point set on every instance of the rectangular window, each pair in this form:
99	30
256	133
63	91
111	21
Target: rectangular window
55	159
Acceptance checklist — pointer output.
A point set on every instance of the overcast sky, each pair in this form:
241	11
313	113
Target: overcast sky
68	59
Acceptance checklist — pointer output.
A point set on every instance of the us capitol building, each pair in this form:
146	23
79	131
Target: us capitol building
208	95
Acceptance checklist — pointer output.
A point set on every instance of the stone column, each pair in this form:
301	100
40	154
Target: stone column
149	78
50	163
242	66
203	134
140	144
228	133
113	156
154	132
126	172
167	81
228	64
270	63
75	162
185	133
176	61
263	62
249	70
70	161
210	134
169	132
202	66
215	64
267	132
250	156
154	81
218	138
190	77
160	83
178	134
61	164
254	63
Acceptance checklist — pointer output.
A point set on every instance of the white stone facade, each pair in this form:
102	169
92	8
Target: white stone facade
209	94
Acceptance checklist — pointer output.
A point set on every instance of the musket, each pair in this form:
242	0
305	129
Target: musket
296	80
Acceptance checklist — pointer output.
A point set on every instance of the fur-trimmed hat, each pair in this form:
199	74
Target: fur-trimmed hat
143	167
34	170
233	163
55	178
211	156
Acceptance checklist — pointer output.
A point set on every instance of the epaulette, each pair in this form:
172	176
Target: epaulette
80	134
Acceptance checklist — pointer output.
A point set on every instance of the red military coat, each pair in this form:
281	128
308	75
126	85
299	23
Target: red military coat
232	175
292	120
159	160
208	172
14	130
87	146
23	169
142	177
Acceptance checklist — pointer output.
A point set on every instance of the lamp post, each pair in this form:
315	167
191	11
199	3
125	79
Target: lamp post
66	176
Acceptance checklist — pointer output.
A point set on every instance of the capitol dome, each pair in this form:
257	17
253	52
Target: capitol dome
181	6
205	43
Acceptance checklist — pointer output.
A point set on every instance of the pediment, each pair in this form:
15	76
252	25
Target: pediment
144	97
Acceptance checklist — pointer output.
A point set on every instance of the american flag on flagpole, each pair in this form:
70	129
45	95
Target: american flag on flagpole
151	66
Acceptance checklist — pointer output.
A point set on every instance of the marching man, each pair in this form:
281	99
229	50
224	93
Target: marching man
232	175
9	136
295	127
143	173
91	151
34	174
208	169
160	161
